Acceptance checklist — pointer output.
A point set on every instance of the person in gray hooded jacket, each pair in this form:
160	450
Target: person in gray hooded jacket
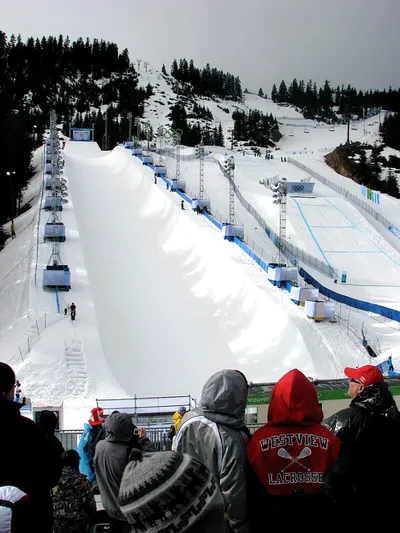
110	459
215	434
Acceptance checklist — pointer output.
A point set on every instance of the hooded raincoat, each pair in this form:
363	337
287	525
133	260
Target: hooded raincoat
215	434
110	459
292	451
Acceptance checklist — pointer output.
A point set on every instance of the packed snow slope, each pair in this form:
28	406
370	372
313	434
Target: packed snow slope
172	307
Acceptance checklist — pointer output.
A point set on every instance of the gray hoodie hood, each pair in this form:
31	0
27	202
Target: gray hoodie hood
224	398
119	428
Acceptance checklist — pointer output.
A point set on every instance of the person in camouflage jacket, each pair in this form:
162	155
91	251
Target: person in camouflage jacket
73	500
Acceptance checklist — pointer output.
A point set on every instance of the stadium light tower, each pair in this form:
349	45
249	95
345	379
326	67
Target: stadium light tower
199	151
177	141
229	166
279	193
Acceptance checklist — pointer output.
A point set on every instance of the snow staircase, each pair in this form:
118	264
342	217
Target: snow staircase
76	367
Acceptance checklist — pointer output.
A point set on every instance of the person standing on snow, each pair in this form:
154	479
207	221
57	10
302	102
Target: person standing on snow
182	205
215	434
290	454
73	311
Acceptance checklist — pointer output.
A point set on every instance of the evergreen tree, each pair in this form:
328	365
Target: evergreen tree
220	137
391	185
261	92
246	91
174	69
282	94
164	70
274	93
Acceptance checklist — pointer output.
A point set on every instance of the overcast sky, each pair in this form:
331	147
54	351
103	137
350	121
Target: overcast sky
261	41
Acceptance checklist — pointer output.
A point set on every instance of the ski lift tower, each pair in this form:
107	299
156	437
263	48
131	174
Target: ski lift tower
280	198
230	230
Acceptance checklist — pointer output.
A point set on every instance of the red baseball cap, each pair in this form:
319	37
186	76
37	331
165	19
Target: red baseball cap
367	375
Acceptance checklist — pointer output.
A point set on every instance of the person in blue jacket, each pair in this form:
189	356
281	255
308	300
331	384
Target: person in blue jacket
93	432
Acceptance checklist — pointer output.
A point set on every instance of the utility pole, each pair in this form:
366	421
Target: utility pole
145	64
139	62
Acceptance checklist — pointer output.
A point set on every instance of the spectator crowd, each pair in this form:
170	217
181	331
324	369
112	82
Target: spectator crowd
218	478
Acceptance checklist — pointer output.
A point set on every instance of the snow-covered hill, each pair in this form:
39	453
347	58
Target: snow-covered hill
160	294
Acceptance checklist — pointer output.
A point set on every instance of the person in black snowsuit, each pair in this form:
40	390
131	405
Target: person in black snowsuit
23	459
73	311
182	205
48	423
369	431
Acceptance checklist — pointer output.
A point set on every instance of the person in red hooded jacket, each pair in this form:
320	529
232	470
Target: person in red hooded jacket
290	454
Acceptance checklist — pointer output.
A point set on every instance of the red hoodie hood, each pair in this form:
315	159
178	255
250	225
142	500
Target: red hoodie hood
294	400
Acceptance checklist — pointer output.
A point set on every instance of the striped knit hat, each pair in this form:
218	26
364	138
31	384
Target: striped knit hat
168	492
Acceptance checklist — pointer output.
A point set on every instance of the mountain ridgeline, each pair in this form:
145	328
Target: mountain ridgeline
84	81
326	103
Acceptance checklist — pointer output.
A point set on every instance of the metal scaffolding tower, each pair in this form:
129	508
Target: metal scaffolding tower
161	137
130	126
55	218
280	198
199	151
177	140
230	174
105	136
137	124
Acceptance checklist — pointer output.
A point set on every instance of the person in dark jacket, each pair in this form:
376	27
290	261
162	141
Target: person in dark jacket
48	423
290	454
369	431
215	434
73	500
23	461
110	459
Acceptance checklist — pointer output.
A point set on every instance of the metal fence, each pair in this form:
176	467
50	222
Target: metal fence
69	438
293	254
343	192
